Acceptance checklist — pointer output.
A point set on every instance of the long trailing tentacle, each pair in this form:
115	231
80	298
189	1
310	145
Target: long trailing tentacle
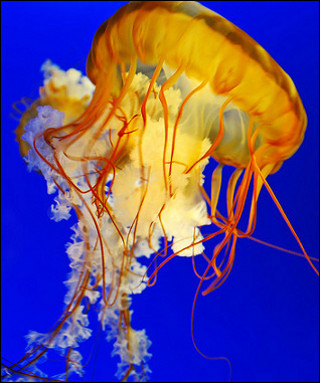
283	214
167	84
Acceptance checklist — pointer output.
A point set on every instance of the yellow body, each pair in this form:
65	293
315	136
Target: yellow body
208	48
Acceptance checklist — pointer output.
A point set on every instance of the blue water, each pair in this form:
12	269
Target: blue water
265	318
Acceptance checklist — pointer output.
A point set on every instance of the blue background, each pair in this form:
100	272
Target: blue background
265	317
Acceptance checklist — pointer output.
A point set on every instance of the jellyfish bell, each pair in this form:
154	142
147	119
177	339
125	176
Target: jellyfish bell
232	63
170	84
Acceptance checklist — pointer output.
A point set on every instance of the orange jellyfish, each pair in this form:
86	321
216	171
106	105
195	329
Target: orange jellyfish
126	149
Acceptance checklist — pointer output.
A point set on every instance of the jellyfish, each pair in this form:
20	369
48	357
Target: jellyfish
126	147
